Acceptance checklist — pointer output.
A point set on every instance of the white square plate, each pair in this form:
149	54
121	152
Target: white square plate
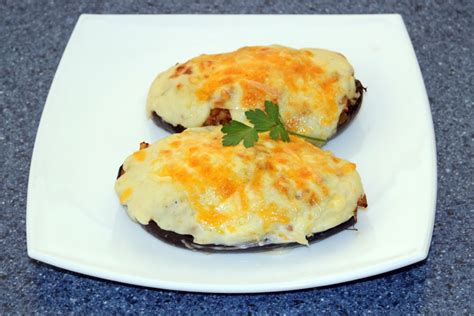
95	116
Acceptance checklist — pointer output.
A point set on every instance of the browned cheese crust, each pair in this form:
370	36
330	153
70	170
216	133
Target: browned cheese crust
187	241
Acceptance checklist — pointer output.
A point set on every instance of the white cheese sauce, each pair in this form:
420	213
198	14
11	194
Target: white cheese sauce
275	191
311	86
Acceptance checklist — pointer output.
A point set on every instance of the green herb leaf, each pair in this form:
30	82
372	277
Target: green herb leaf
235	132
279	132
270	120
273	112
260	120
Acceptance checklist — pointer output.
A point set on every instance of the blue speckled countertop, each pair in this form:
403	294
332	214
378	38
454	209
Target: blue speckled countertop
33	35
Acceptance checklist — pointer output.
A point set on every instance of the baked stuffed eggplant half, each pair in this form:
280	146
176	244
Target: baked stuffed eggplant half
191	191
315	88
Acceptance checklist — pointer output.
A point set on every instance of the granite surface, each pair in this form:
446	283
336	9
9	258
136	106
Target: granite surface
33	35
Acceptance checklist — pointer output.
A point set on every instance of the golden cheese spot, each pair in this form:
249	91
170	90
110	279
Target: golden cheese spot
272	214
244	157
283	186
175	143
213	218
192	149
313	198
330	111
347	168
244	200
205	64
325	191
139	155
263	73
227	188
225	185
125	195
304	173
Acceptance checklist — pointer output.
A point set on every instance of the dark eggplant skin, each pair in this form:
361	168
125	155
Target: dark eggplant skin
345	118
348	114
120	172
187	241
165	125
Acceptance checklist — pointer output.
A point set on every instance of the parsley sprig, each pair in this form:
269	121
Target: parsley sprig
268	121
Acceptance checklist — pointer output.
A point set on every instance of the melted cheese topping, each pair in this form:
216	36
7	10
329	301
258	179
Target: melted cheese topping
311	87
275	191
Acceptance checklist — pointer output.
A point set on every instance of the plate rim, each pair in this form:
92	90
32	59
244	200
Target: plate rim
416	255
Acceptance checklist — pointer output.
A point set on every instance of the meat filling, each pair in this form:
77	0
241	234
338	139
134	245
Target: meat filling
218	117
